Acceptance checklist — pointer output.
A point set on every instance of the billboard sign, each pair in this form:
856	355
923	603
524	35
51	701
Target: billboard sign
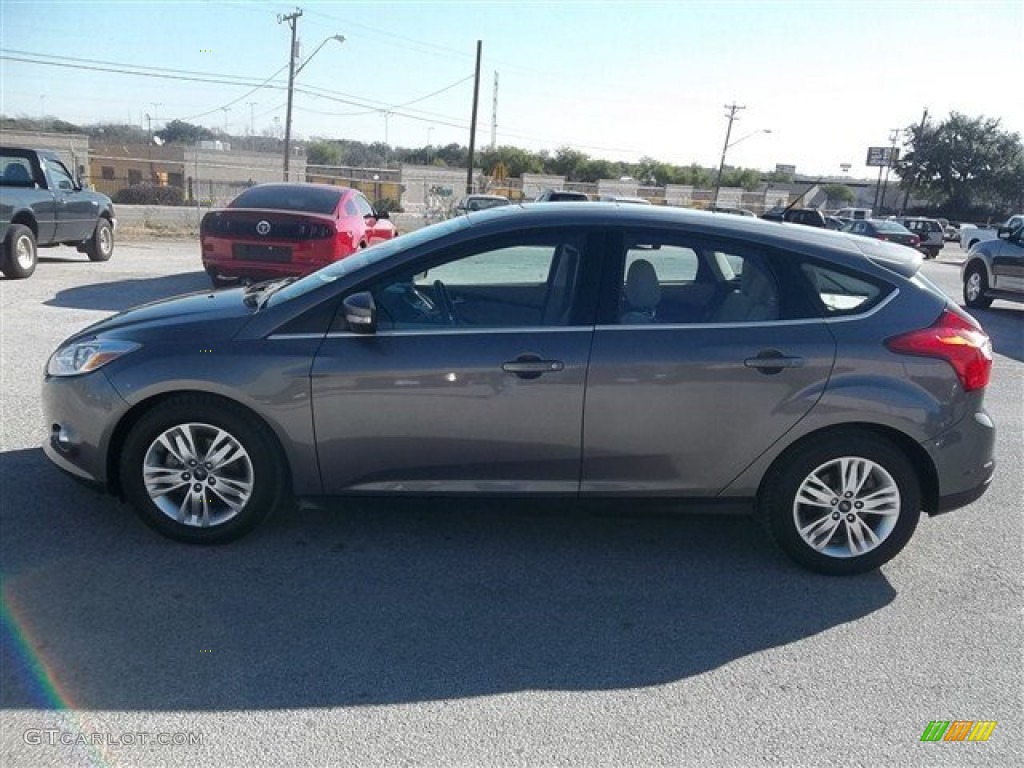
882	157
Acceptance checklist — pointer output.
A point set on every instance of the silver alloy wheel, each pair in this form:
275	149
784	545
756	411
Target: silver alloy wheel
846	507
973	286
198	475
23	252
106	239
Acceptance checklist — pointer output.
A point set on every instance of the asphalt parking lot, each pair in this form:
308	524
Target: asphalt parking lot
482	633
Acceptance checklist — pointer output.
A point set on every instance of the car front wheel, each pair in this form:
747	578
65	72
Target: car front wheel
200	470
844	504
975	285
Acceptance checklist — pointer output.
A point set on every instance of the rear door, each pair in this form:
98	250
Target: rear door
725	357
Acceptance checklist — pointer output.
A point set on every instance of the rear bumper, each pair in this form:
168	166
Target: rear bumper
964	460
258	270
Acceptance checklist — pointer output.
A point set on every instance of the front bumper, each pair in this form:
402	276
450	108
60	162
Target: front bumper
80	415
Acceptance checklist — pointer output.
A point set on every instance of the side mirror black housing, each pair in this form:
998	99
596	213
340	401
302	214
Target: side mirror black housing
361	313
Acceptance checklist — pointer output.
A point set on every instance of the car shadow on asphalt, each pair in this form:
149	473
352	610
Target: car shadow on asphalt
378	602
118	295
1005	326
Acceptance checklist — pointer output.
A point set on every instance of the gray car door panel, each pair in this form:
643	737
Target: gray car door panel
491	411
682	410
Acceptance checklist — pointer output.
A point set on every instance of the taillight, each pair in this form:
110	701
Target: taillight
956	338
915	240
884	237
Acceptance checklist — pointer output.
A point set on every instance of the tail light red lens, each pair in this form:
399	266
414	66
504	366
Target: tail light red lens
956	338
915	240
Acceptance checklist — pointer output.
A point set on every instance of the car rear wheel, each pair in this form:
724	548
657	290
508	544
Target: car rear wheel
200	470
20	254
844	504
975	285
100	247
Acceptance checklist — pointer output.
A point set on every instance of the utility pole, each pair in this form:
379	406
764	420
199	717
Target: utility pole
494	114
293	20
894	133
910	185
472	123
733	109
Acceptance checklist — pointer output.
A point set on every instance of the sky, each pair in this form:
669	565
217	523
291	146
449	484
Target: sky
617	80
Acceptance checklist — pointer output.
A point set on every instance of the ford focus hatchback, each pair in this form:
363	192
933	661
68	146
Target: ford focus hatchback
812	378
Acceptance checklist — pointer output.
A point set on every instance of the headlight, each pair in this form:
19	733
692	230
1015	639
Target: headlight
86	356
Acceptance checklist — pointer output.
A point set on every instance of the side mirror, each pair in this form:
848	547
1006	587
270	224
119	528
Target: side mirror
361	313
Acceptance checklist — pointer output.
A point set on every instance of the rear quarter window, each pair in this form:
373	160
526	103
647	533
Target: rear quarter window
842	293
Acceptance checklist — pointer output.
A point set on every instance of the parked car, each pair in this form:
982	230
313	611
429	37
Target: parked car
835	223
576	350
951	233
929	231
854	213
560	196
810	217
292	229
732	210
971	235
995	268
479	203
881	229
42	204
628	199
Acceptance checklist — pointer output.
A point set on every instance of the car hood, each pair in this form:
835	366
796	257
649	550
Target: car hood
215	315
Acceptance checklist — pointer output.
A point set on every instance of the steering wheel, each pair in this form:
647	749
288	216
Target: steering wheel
444	302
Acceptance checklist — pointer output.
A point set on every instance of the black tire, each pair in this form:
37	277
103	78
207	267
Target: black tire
20	254
892	469
100	247
975	285
261	468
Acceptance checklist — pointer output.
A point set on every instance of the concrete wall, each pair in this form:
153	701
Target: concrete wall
72	148
535	183
431	189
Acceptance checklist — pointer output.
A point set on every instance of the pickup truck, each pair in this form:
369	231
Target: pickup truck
995	268
42	205
971	236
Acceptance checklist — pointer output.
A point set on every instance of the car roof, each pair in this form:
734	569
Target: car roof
807	240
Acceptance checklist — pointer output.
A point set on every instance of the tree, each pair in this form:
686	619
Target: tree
324	153
966	166
180	132
837	194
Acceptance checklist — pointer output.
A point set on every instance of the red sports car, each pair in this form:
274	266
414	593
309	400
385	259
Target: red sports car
279	230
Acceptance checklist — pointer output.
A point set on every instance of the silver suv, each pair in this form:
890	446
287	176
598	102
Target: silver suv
995	268
930	231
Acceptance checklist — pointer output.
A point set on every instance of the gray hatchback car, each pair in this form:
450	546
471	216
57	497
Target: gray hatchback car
813	378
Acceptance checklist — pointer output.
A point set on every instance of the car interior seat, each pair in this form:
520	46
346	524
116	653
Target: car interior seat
561	285
16	173
756	298
642	293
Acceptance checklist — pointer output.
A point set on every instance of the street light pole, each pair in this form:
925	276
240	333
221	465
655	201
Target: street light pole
728	146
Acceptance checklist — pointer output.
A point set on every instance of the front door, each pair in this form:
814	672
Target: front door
1008	261
473	381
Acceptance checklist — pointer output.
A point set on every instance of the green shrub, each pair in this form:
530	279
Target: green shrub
149	194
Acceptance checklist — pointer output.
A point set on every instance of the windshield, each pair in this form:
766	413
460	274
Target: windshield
371	255
290	197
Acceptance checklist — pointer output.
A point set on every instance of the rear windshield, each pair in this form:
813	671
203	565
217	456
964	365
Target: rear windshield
889	226
558	197
290	197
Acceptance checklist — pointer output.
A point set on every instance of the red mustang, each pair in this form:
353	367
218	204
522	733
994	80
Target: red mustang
278	230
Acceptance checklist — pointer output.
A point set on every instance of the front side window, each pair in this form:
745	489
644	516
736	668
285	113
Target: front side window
529	283
60	176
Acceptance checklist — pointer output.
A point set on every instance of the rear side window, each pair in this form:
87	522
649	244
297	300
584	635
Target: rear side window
841	293
17	171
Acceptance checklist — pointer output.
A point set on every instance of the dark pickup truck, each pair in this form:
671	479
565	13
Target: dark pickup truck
41	205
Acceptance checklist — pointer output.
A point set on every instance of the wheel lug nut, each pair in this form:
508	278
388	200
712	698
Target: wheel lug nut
191	462
849	518
858	505
207	465
835	515
213	481
197	487
186	476
835	501
848	494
